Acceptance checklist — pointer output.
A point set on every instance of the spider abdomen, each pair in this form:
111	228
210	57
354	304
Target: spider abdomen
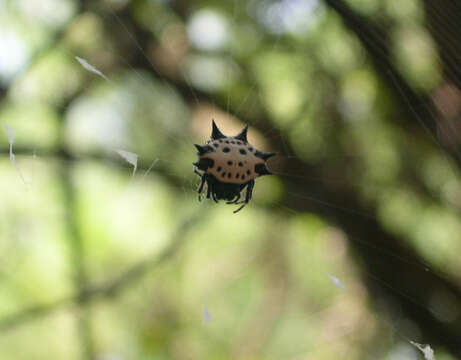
234	162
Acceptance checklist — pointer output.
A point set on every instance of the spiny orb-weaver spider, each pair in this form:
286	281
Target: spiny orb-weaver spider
229	164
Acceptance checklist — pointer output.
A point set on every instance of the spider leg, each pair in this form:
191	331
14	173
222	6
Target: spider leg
213	195
200	188
237	198
240	208
248	196
208	191
197	172
234	201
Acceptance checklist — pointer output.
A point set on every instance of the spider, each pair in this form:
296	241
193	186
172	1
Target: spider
229	164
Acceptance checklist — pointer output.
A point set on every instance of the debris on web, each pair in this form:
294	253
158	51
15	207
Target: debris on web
206	315
336	281
131	158
10	133
90	68
425	349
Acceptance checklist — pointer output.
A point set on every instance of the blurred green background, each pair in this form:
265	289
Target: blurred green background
350	251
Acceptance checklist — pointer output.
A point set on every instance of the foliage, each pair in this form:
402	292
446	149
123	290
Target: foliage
351	250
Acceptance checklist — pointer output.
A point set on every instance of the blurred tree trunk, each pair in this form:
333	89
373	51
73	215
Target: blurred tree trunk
444	22
418	112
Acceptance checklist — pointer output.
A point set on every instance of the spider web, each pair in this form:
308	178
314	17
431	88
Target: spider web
281	25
